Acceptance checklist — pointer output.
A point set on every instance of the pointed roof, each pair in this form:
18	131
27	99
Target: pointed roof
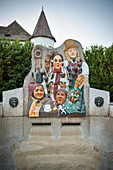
14	31
42	28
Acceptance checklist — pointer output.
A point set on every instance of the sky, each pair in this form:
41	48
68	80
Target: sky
88	21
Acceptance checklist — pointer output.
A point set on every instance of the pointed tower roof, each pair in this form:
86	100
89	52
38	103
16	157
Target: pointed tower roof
42	28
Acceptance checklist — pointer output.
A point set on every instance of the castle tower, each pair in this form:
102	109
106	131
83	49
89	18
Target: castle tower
42	34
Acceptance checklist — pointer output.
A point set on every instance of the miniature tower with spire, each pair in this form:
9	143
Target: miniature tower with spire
42	34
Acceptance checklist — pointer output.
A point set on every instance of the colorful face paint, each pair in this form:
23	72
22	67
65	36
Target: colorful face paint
57	62
38	92
60	97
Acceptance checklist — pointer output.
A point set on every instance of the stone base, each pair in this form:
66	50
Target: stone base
13	111
93	109
68	138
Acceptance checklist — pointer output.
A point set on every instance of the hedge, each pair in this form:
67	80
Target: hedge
15	64
100	62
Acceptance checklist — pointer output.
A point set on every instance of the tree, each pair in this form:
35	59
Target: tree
15	63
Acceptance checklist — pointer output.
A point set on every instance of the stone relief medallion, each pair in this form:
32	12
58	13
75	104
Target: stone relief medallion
38	54
99	101
13	102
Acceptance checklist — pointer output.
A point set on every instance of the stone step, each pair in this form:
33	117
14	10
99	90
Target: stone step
70	151
41	150
41	141
58	162
51	139
41	145
40	130
49	131
71	131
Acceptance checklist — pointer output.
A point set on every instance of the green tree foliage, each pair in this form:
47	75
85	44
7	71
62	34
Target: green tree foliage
100	62
15	64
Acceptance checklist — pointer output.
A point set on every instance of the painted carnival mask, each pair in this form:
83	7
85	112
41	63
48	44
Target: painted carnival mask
57	62
74	96
38	92
72	52
60	97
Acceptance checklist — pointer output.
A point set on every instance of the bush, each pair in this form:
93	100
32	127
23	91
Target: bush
15	64
100	62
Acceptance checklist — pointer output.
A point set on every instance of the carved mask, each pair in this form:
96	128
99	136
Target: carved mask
60	97
57	62
13	102
72	52
38	92
99	101
74	96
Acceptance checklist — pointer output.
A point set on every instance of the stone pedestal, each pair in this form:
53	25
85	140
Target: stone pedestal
13	111
93	109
